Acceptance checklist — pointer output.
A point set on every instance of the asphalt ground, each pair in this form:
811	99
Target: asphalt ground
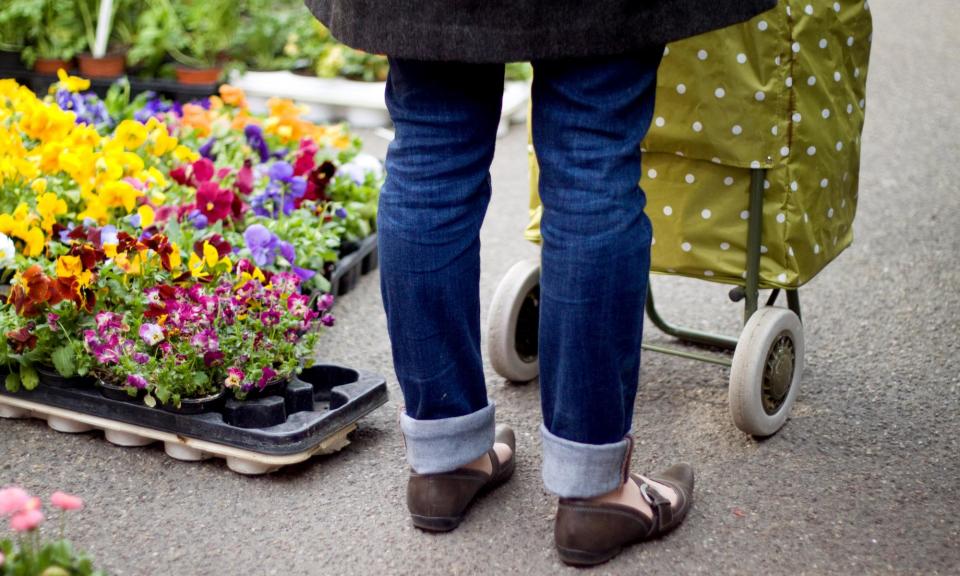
863	479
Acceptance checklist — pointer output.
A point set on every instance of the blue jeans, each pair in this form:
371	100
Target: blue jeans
589	116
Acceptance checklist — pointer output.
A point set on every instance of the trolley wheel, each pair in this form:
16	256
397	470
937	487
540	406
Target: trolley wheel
766	371
513	323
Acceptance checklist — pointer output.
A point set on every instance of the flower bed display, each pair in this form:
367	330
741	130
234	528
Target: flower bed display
175	254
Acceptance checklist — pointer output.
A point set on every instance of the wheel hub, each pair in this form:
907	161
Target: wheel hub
527	339
778	373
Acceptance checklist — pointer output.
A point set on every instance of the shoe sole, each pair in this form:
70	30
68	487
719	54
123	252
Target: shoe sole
448	523
572	557
436	523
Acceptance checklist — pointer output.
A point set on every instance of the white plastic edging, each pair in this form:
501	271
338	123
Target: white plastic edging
359	103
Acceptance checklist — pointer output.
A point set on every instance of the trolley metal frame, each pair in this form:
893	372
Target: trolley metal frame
749	293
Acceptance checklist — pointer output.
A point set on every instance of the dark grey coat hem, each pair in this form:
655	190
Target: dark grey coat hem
409	34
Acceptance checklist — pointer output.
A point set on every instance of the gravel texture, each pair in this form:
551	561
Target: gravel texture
865	477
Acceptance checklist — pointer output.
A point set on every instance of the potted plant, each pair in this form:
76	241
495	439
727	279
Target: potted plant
53	38
107	30
273	36
15	23
339	60
195	33
269	328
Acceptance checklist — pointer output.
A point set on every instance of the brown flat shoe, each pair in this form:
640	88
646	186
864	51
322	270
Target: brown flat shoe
589	533
439	502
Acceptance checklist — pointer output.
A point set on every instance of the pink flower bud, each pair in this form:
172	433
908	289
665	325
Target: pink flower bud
26	520
65	501
12	499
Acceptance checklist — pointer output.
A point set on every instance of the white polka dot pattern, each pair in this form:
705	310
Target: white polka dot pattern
784	92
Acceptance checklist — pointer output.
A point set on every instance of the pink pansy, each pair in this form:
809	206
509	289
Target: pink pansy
26	520
65	501
203	170
12	499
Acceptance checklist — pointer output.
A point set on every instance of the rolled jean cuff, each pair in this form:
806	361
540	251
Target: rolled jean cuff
435	446
576	470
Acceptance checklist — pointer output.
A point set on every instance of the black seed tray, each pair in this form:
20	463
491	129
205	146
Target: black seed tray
324	399
356	259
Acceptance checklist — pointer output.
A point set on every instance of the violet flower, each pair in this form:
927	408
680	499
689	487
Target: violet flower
254	135
262	243
137	381
207	149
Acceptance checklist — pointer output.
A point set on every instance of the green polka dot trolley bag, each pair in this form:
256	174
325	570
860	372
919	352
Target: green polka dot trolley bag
751	173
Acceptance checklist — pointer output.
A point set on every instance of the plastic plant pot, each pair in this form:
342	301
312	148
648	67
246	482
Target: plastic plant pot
115	392
50	377
210	403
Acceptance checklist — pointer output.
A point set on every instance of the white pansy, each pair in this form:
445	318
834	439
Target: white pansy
7	251
361	165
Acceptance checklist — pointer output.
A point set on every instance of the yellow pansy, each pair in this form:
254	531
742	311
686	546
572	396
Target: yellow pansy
195	264
109	167
71	83
212	257
7	224
131	265
119	194
39	186
175	259
72	267
163	142
45	122
131	134
95	210
147	216
49	206
34	240
68	266
50	156
84	136
184	154
248	276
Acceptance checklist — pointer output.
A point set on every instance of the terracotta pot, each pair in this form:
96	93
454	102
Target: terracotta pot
196	76
110	66
50	66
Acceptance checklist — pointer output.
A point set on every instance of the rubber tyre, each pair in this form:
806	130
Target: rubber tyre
522	278
762	331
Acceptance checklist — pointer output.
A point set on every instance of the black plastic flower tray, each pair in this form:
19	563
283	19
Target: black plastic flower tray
40	84
356	260
324	403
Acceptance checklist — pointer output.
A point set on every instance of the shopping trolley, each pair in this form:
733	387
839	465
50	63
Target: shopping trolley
751	173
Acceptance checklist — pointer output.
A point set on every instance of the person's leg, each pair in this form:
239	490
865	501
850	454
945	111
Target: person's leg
431	208
589	117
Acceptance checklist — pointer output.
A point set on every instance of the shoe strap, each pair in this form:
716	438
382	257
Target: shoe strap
662	512
494	463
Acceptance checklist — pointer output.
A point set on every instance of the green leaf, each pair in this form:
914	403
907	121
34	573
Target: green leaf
200	379
150	401
64	361
12	382
29	377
